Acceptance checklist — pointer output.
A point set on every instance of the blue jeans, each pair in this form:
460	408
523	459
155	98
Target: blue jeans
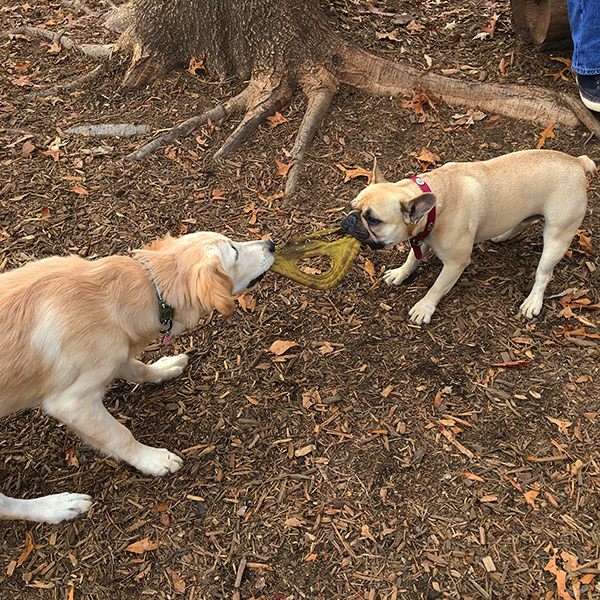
584	19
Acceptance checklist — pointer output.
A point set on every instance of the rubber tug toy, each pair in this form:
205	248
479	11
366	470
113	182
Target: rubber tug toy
341	253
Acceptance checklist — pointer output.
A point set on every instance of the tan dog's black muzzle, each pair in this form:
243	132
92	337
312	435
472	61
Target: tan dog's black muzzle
352	223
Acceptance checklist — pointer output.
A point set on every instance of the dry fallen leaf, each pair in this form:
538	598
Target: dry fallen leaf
26	549
280	347
283	168
276	119
293	522
547	133
353	172
142	546
80	190
562	425
196	65
530	497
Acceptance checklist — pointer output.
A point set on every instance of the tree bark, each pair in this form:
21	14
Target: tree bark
280	46
544	22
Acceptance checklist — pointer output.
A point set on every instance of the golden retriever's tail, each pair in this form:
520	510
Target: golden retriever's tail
589	166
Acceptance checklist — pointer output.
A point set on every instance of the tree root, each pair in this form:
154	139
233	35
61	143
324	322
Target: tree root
73	84
92	50
232	106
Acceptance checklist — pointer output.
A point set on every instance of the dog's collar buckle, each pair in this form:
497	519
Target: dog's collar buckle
415	242
165	310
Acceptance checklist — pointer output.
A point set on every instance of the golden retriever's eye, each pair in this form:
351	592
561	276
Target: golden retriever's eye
371	220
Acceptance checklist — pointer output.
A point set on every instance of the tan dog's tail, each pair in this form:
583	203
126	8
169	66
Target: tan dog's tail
588	164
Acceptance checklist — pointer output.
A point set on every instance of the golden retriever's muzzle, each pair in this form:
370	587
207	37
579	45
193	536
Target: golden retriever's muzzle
354	226
271	248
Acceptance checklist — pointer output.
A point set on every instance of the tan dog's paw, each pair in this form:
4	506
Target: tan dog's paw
420	313
531	307
396	276
156	461
168	367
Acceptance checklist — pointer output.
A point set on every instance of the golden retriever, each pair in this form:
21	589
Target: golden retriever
71	326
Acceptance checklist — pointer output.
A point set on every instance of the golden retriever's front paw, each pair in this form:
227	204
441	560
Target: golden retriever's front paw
420	313
156	461
531	306
168	367
395	276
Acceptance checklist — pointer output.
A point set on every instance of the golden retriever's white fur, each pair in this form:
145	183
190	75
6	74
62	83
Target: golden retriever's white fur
70	326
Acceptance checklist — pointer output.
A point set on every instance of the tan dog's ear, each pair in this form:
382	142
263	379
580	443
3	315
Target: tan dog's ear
377	175
214	287
414	210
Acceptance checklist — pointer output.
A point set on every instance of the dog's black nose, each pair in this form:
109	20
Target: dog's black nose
271	246
349	222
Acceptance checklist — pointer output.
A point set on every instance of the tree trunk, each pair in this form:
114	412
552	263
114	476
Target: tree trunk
545	22
280	46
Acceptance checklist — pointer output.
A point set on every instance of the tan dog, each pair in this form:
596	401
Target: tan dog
70	326
460	204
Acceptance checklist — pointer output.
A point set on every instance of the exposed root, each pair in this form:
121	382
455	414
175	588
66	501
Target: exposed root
265	101
320	95
382	77
58	37
73	84
233	105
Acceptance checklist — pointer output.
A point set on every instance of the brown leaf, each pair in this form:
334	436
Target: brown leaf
353	172
53	152
293	522
218	195
80	190
502	66
369	267
27	148
178	582
142	546
283	168
277	119
426	158
562	424
45	212
530	497
280	347
367	532
26	549
547	133
71	457
247	301
196	65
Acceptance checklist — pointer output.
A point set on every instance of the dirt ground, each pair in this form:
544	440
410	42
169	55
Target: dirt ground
374	459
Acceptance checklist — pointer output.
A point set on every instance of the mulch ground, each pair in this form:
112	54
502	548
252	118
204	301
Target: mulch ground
372	460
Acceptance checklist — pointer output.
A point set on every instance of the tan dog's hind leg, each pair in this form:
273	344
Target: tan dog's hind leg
86	415
397	276
512	232
167	367
557	240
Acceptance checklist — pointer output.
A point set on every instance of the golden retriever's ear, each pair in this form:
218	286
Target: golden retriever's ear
214	287
161	244
377	175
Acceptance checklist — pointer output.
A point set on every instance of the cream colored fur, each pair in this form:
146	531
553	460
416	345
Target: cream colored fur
70	326
477	201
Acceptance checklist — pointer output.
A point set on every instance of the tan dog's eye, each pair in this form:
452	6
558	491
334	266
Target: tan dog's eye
371	220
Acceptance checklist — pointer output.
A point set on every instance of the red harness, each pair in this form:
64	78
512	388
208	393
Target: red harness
415	242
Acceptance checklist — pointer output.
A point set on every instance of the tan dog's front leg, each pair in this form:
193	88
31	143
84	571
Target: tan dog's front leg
421	312
397	276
